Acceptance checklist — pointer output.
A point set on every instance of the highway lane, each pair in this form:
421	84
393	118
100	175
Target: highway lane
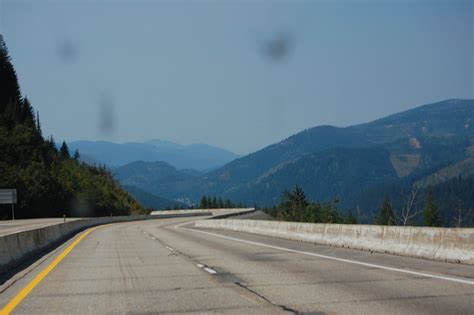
15	226
158	267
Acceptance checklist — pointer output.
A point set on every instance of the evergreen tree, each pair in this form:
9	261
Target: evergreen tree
386	215
294	204
298	197
298	203
10	96
204	204
76	155
313	213
27	114
64	151
213	203
349	218
48	186
430	213
330	213
38	124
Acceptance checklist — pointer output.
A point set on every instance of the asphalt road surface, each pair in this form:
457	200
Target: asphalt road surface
166	266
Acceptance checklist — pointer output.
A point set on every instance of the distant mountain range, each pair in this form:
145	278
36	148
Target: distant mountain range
159	178
426	145
199	157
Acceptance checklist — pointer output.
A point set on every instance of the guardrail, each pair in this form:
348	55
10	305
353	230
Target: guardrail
442	244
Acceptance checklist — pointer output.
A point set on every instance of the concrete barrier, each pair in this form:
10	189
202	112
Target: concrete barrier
18	247
189	213
442	244
227	213
217	213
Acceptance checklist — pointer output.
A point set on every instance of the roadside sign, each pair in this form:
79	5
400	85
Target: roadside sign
7	196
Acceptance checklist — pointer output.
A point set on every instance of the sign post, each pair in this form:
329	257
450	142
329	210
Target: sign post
8	196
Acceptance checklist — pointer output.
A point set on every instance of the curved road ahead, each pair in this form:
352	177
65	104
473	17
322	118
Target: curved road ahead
166	266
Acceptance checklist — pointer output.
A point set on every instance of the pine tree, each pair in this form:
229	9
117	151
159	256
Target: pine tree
76	155
64	151
27	114
349	218
294	205
298	197
38	124
10	97
213	203
298	203
386	215
48	186
430	213
204	204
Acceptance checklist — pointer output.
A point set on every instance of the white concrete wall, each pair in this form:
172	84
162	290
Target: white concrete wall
190	212
443	244
204	211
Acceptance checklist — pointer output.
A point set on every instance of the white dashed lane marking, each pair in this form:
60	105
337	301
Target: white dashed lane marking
349	261
210	270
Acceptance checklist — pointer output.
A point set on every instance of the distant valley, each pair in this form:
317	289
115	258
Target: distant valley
427	145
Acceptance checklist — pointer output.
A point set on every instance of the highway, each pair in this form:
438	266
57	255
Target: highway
167	266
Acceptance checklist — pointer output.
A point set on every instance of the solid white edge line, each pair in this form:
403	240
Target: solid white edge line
211	271
349	261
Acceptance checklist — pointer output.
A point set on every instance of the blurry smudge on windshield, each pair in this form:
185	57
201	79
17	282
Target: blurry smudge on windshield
278	47
67	50
106	115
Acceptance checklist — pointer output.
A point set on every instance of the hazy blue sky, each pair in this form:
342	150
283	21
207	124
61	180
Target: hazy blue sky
236	74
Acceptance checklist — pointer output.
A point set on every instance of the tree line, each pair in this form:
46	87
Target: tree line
409	215
453	199
295	207
50	181
208	202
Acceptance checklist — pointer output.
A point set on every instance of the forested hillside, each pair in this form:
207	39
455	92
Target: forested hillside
160	179
50	181
346	173
358	165
446	119
153	202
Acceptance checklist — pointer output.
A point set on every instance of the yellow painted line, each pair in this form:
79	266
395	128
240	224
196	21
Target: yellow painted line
26	290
